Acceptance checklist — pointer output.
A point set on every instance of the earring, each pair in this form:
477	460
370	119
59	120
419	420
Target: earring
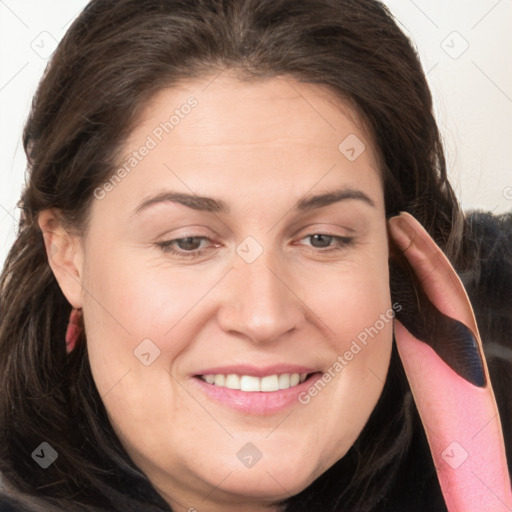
74	329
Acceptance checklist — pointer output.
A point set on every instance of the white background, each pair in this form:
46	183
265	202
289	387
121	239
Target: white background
472	89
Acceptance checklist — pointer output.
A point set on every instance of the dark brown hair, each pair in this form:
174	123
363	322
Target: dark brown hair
113	59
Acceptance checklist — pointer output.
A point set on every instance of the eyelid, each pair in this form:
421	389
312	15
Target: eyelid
343	242
339	242
166	246
324	228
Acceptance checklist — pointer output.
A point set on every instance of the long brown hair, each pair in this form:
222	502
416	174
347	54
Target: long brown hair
113	59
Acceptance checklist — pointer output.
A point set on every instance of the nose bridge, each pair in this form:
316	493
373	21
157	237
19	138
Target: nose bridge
262	306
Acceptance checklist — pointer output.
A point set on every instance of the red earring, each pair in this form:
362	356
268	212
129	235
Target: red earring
74	329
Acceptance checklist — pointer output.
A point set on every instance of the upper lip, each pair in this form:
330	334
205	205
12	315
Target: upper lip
256	371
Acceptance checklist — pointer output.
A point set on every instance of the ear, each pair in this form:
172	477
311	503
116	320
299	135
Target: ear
65	255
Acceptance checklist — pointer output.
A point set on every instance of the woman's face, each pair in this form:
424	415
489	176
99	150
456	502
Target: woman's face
244	247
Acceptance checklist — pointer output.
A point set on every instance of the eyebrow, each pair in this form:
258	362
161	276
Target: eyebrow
209	204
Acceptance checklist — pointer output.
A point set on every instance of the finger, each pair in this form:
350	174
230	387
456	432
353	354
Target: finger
449	328
433	269
461	420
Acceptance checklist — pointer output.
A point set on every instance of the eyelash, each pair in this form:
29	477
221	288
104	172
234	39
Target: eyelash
167	248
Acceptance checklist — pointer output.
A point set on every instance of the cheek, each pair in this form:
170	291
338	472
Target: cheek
133	310
355	308
133	307
363	321
351	298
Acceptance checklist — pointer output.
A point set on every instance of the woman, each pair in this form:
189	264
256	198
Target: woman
234	210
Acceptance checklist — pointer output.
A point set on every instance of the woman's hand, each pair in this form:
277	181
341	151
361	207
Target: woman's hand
461	419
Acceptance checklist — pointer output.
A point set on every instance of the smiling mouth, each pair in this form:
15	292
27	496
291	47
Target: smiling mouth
258	391
251	383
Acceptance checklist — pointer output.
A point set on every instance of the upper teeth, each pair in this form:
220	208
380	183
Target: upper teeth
251	383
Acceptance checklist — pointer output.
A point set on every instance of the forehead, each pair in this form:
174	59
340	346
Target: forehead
274	138
268	111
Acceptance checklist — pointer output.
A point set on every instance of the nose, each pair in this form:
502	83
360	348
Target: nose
261	304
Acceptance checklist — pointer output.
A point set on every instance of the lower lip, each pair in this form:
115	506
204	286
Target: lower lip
257	402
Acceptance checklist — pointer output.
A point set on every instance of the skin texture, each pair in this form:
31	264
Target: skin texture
260	147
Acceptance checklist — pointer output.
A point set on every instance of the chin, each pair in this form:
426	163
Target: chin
270	481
